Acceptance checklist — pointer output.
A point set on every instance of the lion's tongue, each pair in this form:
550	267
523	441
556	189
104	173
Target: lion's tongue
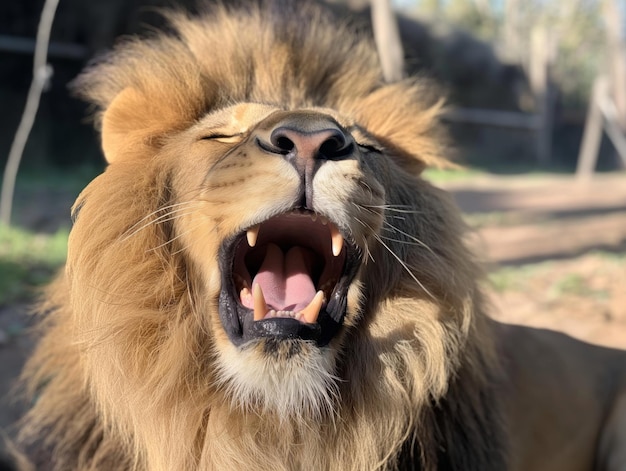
285	278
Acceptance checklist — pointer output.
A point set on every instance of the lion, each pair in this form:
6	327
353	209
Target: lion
261	279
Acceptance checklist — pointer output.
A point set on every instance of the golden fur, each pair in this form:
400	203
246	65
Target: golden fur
135	369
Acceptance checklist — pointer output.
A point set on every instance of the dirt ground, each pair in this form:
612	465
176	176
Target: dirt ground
559	246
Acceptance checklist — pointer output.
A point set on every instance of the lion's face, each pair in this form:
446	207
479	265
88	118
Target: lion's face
278	210
278	227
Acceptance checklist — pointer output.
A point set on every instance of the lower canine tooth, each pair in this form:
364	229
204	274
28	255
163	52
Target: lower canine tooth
260	307
244	295
312	311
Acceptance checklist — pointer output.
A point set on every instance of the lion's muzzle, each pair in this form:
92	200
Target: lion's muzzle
306	139
288	277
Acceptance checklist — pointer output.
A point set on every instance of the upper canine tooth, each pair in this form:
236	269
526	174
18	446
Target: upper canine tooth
336	240
312	311
252	234
260	307
323	220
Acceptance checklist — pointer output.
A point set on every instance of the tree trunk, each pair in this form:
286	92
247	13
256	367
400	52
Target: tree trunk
388	42
617	57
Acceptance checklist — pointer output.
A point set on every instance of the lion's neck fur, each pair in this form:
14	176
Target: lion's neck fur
396	411
414	375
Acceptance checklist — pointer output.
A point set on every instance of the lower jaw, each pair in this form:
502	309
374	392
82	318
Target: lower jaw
241	328
283	328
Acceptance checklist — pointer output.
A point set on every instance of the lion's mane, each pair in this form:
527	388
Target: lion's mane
125	375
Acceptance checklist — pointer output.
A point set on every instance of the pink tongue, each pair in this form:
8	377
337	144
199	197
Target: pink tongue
285	278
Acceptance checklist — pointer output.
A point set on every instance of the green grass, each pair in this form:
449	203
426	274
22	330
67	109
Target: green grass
515	278
437	175
575	284
612	257
27	261
520	277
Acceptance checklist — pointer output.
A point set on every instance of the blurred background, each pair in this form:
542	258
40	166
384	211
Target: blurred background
537	116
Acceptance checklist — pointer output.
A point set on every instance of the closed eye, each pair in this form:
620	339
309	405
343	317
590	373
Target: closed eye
363	139
225	138
369	148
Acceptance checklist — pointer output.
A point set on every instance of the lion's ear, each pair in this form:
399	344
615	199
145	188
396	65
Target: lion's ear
404	118
133	125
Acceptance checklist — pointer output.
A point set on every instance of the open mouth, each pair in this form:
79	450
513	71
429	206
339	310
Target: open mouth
287	278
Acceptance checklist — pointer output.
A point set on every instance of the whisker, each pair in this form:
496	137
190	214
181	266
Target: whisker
182	249
164	208
368	253
168	216
404	266
134	228
365	208
397	208
388	205
379	238
175	238
406	242
411	237
171	216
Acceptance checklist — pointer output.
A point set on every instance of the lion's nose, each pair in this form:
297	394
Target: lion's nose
307	140
327	143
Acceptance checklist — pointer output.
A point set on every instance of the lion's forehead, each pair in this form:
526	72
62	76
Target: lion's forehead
236	118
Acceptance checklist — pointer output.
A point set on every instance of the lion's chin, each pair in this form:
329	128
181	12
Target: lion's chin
289	378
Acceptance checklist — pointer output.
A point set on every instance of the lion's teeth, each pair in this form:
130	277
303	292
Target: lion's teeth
245	295
337	240
312	311
323	220
260	307
252	234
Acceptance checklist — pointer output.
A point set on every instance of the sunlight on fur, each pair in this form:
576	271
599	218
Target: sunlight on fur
292	387
168	380
261	280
